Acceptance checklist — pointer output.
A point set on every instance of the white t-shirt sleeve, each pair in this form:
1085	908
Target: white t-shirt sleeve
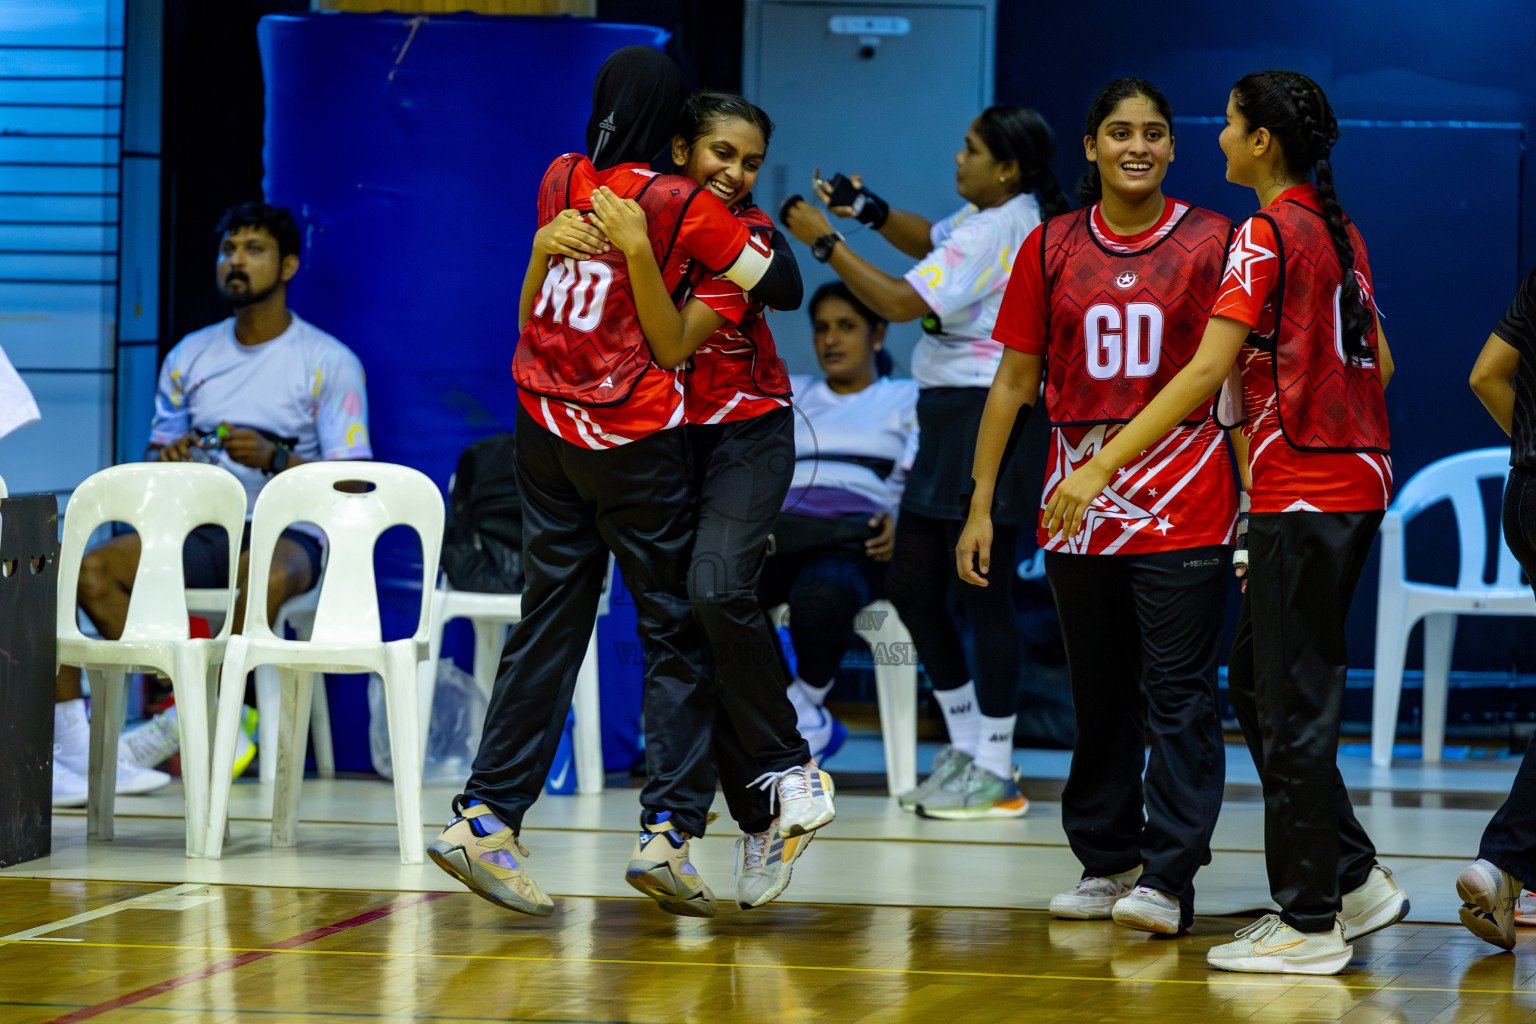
969	264
17	406
172	418
341	403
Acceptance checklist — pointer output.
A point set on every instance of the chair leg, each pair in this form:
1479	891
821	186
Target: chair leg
1439	639
401	706
490	638
221	769
1392	629
896	690
293	731
320	729
190	685
426	672
588	738
269	716
108	698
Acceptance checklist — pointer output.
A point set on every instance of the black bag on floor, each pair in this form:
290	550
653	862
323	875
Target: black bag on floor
483	535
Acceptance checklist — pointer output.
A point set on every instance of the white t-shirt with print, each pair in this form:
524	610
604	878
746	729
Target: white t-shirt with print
303	386
962	280
879	422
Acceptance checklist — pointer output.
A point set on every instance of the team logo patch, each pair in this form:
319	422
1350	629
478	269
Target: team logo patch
1126	279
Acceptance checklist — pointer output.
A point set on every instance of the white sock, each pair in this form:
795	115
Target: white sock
994	750
961	717
817	694
72	734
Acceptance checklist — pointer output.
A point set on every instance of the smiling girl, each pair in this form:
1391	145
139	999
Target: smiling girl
1113	300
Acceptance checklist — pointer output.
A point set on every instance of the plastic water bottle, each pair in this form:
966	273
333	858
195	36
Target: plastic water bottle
561	780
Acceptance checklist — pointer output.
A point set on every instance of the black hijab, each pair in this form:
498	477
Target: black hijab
635	102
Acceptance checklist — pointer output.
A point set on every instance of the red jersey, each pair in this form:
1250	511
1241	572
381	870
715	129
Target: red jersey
583	366
1072	283
737	374
1290	470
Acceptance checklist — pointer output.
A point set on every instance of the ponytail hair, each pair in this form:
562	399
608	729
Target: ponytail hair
1020	134
1090	188
1298	117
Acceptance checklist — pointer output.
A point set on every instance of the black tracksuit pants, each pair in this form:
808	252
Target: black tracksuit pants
1509	841
1143	635
825	591
1286	681
743	470
578	505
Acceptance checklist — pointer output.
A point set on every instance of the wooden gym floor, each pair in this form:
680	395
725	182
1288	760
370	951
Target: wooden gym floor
888	919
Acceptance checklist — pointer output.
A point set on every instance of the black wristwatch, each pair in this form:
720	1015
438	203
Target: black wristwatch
822	247
279	460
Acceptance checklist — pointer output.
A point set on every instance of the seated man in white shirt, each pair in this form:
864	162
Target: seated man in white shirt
257	394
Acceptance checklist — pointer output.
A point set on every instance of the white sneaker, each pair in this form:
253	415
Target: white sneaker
70	789
763	864
152	743
1093	899
804	795
135	781
1270	946
1149	910
1373	906
1488	904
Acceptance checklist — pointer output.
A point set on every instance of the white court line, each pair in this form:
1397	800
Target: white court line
178	897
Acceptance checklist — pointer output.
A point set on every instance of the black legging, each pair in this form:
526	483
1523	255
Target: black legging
920	581
825	590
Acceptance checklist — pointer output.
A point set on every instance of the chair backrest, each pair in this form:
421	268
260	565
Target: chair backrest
163	501
3	492
1457	479
348	609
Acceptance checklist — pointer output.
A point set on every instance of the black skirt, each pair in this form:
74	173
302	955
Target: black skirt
947	420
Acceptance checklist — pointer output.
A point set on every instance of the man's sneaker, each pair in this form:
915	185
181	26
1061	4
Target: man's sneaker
1373	906
1149	910
950	760
152	743
1525	910
1094	898
1270	946
763	863
477	849
975	793
70	789
135	781
804	795
1488	903
659	867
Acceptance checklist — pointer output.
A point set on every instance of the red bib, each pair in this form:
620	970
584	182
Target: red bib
1121	325
1326	403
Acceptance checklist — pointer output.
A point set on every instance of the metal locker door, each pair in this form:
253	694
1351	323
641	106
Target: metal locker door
892	106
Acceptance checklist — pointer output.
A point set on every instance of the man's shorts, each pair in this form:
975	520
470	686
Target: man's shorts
205	558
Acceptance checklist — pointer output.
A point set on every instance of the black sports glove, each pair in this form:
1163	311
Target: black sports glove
868	208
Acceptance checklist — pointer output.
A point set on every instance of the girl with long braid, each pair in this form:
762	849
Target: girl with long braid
1295	325
1113	299
1004	175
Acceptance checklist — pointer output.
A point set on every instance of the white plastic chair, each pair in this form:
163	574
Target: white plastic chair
297	613
346	635
1401	602
164	502
491	614
895	687
3	492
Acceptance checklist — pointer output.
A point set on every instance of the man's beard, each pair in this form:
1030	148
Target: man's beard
250	298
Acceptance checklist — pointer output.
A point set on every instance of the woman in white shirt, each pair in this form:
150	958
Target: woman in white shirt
855	432
1003	173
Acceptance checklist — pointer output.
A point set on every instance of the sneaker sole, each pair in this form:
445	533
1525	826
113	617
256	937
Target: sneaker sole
969	814
1332	963
1479	898
1384	914
1144	922
778	889
1483	924
454	861
1076	914
660	884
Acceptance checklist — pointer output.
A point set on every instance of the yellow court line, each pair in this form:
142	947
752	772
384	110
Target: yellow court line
1320	984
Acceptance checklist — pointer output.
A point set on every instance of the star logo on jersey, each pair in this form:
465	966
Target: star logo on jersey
1126	279
1242	257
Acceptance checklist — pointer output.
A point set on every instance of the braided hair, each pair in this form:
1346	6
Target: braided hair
1298	117
1020	134
1090	187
